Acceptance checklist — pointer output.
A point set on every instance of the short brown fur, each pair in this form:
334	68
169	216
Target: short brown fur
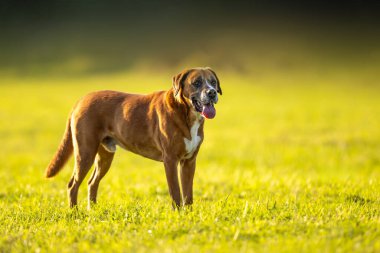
153	126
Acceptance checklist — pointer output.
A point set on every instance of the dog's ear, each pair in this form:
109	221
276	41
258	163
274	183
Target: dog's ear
219	88
178	82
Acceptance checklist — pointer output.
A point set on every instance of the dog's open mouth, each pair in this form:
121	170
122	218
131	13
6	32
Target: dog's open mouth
197	104
207	110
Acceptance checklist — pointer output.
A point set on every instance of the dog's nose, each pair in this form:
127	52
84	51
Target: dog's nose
211	93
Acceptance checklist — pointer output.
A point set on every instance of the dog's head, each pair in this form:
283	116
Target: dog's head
198	87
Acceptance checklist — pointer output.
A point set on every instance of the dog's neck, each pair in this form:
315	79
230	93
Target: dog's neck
184	106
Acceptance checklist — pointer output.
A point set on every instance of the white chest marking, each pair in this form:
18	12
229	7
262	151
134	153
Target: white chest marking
192	144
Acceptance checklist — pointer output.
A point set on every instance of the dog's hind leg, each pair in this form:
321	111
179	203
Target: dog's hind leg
103	162
84	153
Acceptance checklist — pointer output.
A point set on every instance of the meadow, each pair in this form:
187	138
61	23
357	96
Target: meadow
286	166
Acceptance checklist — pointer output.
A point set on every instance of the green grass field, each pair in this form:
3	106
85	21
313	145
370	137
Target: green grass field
286	166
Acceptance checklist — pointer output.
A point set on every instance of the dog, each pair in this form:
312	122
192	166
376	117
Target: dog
165	126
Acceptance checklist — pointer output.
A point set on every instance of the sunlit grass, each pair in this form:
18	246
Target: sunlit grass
285	166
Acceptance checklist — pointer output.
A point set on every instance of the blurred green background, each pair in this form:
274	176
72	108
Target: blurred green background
291	162
260	39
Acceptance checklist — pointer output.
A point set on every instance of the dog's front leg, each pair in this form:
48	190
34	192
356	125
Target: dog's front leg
172	179
187	176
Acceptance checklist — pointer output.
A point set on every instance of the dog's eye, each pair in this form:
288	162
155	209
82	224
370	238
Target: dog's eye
197	83
213	83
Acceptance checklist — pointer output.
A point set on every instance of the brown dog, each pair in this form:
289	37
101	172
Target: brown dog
164	126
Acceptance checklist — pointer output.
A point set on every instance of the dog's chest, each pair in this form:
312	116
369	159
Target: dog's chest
192	144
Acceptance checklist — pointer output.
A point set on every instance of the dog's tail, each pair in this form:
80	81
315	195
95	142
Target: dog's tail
63	153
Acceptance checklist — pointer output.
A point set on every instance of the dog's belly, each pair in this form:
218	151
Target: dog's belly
141	148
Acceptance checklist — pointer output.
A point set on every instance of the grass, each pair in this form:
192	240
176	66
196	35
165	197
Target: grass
286	166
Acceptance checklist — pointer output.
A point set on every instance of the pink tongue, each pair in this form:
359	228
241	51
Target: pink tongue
208	111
